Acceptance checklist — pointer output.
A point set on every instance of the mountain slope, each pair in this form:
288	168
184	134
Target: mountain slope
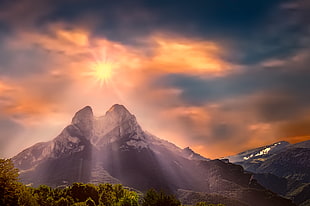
281	159
114	148
65	159
281	167
259	153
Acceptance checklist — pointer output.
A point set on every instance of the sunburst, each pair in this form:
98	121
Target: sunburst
101	70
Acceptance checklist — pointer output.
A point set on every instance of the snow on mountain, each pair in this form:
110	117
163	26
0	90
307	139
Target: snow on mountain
264	151
258	153
281	167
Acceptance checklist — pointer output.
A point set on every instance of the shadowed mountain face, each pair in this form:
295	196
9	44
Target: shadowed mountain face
281	167
113	148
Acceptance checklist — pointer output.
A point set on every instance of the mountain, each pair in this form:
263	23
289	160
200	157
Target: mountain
259	153
190	154
114	148
281	167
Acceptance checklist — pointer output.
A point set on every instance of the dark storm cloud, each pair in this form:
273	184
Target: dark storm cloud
199	90
284	92
276	107
250	28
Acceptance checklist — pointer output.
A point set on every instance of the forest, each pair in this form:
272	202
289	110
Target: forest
13	192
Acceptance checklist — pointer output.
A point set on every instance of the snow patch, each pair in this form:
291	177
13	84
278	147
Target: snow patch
262	152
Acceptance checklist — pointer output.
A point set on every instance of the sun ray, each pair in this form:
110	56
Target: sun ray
102	72
101	69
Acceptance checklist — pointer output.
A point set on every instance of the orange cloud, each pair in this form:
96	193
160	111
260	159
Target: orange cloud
4	87
176	54
161	54
296	139
68	41
27	101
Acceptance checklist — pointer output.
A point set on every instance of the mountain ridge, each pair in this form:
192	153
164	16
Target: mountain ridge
114	148
283	168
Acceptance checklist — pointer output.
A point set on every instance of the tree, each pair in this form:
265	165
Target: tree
80	192
206	204
25	196
107	195
90	202
119	191
154	198
129	198
8	183
44	195
62	202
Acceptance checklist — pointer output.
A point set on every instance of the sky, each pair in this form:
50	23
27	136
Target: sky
219	76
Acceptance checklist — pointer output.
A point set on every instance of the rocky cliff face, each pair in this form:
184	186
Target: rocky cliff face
73	139
83	121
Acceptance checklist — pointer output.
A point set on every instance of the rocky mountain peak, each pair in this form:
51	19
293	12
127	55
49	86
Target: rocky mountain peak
190	154
118	123
83	120
119	113
118	109
188	149
86	112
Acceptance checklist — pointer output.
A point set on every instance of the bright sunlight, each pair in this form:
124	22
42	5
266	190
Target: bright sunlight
101	70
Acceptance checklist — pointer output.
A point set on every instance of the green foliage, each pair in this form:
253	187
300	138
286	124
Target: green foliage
25	196
154	198
79	204
8	183
81	192
44	195
107	195
129	198
63	201
13	192
206	204
90	202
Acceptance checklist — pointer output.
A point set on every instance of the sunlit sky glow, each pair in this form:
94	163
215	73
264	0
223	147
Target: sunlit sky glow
101	69
218	76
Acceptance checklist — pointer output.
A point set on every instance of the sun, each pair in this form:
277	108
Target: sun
101	70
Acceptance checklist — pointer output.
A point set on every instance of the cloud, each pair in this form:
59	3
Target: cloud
174	54
254	106
298	127
23	14
210	74
9	132
277	106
